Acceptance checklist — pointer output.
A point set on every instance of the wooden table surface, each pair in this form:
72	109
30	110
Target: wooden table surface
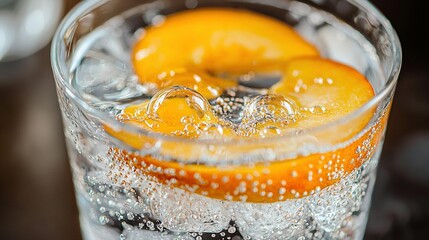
36	192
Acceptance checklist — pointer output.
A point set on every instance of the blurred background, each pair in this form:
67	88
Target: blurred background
36	192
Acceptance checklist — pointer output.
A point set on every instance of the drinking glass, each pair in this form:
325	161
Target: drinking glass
163	187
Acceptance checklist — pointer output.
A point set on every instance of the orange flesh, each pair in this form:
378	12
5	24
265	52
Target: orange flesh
325	90
322	91
215	41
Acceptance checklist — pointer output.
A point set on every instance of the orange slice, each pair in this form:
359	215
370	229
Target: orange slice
216	40
338	88
325	91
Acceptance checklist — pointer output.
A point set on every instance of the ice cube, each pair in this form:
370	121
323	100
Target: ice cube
182	211
343	48
101	77
118	43
105	82
274	221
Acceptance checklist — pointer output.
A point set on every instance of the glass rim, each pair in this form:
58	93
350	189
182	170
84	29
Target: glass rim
61	73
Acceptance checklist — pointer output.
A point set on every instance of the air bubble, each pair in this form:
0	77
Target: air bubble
270	131
193	99
160	114
187	120
267	113
103	219
130	216
150	225
270	106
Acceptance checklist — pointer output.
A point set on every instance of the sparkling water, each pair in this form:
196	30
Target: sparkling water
116	202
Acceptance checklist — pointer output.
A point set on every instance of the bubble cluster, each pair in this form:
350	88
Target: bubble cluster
124	197
178	111
267	114
192	213
269	221
181	111
331	207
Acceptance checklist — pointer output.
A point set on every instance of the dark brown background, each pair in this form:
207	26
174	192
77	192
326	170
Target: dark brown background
36	192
